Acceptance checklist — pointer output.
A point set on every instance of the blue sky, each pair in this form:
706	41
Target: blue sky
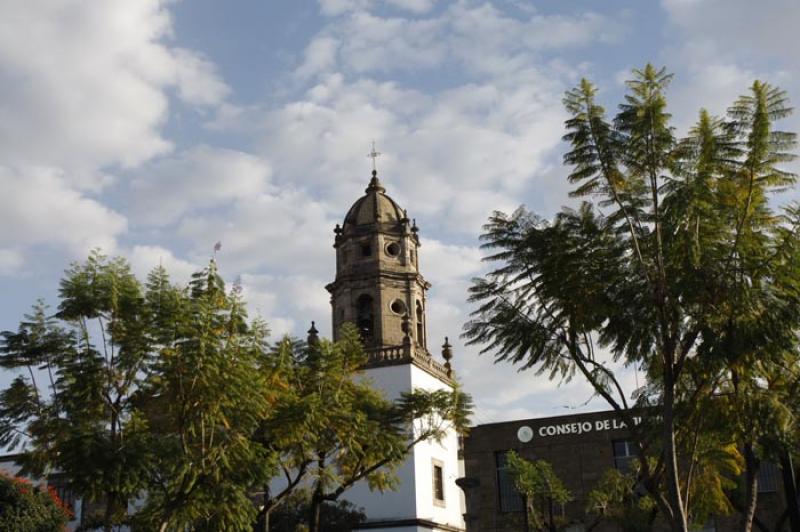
155	128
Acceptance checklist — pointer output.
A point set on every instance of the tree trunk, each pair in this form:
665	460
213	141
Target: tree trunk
265	523
527	514
751	487
108	514
314	508
678	520
266	511
790	491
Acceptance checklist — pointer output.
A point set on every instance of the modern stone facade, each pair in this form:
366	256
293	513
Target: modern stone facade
580	448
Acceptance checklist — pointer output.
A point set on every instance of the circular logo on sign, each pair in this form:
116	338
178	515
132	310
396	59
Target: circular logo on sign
525	434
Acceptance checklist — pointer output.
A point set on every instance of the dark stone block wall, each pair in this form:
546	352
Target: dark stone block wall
579	460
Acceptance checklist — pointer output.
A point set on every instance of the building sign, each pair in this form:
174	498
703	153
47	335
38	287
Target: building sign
582	427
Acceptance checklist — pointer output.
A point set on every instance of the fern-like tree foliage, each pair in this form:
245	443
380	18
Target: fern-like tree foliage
543	492
148	392
165	408
334	429
676	263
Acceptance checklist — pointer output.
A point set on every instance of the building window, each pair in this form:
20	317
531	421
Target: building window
625	452
398	307
365	317
393	249
768	475
509	498
366	249
438	483
420	326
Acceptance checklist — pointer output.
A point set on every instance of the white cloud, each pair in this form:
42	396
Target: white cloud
289	303
11	261
320	56
278	232
85	83
414	6
479	38
196	78
453	157
144	258
38	206
195	179
721	47
740	29
338	7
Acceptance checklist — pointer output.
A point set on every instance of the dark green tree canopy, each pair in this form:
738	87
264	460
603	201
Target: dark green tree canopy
676	263
173	395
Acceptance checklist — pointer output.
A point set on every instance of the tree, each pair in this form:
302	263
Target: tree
82	420
292	513
25	507
615	499
152	389
204	399
332	429
542	491
676	264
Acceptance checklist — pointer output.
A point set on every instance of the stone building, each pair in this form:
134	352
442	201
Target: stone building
380	288
580	448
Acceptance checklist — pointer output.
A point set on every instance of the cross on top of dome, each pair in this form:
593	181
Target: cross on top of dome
374	156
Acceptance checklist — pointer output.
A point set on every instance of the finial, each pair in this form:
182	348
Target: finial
447	355
337	229
414	228
374	183
313	337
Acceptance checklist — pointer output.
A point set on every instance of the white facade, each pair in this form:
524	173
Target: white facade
380	289
414	498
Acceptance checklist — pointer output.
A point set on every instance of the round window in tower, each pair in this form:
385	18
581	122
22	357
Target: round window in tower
393	249
398	307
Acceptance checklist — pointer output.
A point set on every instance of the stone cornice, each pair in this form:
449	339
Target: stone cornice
399	355
401	523
401	276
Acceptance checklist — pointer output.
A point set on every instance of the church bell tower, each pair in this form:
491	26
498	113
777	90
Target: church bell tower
378	284
379	288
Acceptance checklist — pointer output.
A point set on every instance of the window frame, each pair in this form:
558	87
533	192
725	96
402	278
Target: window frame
622	463
438	465
505	502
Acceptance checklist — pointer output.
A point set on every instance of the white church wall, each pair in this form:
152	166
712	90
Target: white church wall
400	503
445	453
414	497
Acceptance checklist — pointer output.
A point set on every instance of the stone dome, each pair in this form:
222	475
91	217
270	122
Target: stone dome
373	207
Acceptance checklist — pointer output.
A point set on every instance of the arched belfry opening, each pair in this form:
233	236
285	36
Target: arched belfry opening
365	317
420	319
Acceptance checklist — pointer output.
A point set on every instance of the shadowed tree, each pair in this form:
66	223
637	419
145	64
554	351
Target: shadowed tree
130	390
333	429
73	408
542	491
676	265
